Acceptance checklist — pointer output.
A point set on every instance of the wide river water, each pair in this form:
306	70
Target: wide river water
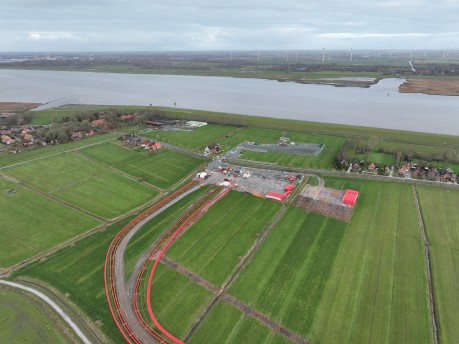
380	106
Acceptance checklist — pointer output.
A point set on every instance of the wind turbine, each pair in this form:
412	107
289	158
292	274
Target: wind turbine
323	54
350	60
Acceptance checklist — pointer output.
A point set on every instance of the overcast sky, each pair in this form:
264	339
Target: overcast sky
158	25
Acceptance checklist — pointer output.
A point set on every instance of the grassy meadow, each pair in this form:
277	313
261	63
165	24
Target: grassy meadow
34	223
85	184
24	319
227	324
162	169
214	244
77	272
441	218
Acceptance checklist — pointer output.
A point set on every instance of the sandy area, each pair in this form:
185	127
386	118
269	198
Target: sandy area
429	86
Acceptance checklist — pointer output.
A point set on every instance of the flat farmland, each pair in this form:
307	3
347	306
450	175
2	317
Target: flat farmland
163	169
196	139
77	272
365	279
31	223
28	155
24	319
441	219
377	291
213	246
226	324
176	301
85	184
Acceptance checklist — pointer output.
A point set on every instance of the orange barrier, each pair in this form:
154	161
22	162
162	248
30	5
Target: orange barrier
109	269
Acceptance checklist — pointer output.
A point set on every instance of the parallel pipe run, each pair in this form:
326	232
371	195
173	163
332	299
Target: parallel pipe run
109	270
193	217
152	253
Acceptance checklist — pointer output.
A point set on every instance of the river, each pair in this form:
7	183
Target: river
380	106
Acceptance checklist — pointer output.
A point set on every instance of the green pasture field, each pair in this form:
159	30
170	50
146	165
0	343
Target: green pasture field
285	280
196	139
426	150
77	272
213	246
83	183
153	229
31	223
176	301
381	158
162	168
377	290
24	319
26	155
227	324
365	279
441	218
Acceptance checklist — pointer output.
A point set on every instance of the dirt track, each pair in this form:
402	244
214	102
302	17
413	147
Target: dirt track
428	86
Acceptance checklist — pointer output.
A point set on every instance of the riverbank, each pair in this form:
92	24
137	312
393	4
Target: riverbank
431	86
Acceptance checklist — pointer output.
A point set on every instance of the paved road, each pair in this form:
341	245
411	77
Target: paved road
50	302
122	290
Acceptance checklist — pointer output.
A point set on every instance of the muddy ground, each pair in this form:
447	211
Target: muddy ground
428	86
12	107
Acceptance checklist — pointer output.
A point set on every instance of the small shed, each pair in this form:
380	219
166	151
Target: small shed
350	197
289	187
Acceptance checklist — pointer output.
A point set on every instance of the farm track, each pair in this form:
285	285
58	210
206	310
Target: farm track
53	305
75	313
115	289
233	276
246	309
119	171
54	198
433	313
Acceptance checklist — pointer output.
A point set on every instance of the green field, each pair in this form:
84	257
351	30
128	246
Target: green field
176	301
377	291
25	319
197	139
162	169
85	184
286	279
439	210
213	246
34	223
77	272
226	324
31	154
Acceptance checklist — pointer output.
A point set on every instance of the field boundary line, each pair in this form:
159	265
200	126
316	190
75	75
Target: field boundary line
433	313
237	303
247	257
54	154
114	169
51	303
67	304
61	201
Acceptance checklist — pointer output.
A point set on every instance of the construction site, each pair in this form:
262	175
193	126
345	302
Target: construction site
278	186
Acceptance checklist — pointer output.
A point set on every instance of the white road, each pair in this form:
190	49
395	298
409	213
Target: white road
50	302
